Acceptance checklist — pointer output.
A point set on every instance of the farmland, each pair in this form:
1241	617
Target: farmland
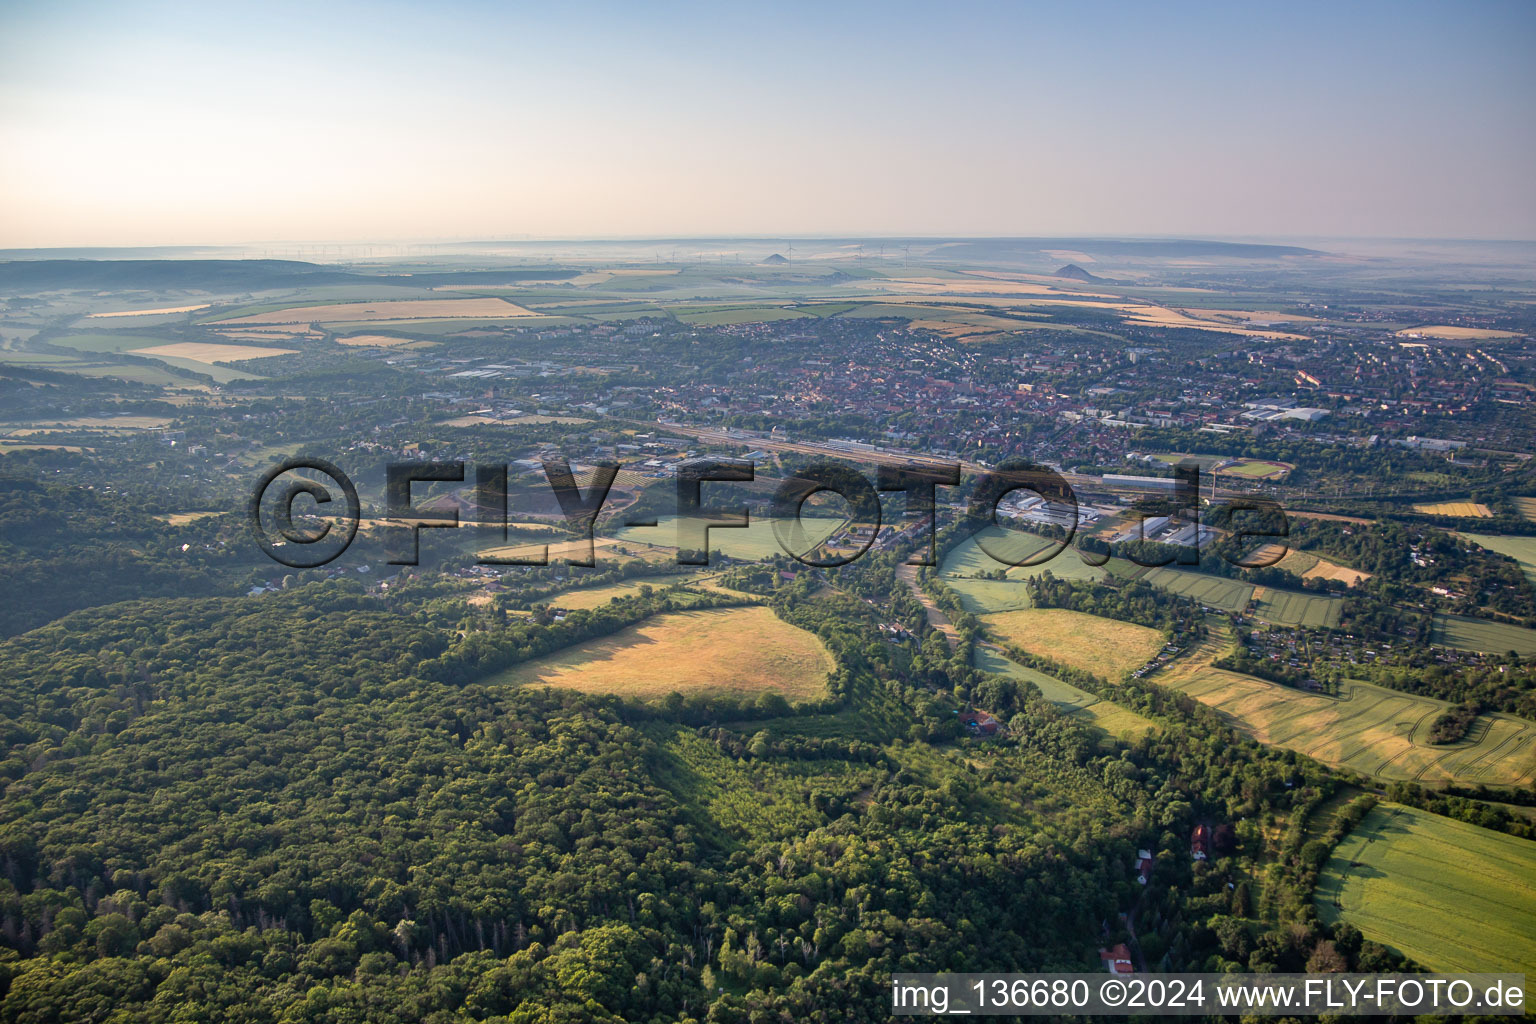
1453	896
401	309
204	352
1107	715
595	597
1369	729
1527	507
968	559
742	652
756	542
1108	648
1213	591
1458	509
1480	635
1290	608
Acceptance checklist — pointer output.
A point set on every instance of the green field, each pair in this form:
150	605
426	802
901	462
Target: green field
1290	608
1107	715
755	543
967	559
1452	896
1478	635
1212	591
982	597
738	315
1521	549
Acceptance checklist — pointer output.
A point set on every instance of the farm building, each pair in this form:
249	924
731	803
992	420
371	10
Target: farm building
1117	959
979	723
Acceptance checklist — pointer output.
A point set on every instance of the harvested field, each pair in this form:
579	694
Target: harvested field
373	340
740	651
400	309
148	312
1459	509
1371	730
208	352
1450	333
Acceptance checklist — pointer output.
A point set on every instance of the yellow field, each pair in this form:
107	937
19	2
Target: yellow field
1462	509
404	309
148	312
1334	571
207	352
115	422
471	421
741	651
1370	729
1108	648
183	518
1456	333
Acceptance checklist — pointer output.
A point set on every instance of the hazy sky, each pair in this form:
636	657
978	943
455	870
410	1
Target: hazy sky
165	123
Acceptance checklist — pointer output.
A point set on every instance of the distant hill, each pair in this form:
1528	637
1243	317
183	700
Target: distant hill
775	259
1075	273
229	275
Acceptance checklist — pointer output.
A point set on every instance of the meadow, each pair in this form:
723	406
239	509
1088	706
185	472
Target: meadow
1526	507
743	652
1453	896
1480	635
1290	608
596	597
1102	714
1212	591
1369	729
1108	648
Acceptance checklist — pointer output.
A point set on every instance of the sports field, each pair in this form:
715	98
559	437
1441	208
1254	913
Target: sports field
1479	635
737	651
1453	896
1521	549
1107	715
1370	729
756	542
1290	608
1460	509
1108	648
1212	591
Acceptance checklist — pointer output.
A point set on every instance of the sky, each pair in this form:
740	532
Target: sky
167	124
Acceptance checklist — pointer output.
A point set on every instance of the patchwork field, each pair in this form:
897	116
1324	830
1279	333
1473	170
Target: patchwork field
399	309
739	651
1460	509
1521	549
1479	635
1107	715
1108	648
1290	608
1212	591
1453	896
755	543
1370	729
